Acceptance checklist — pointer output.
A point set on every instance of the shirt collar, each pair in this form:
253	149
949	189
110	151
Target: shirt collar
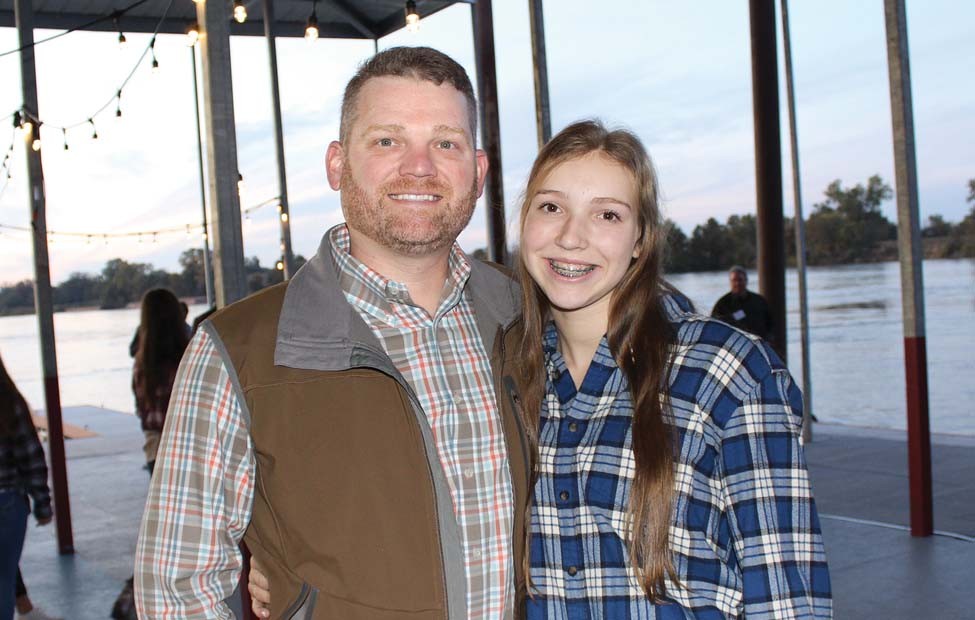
379	292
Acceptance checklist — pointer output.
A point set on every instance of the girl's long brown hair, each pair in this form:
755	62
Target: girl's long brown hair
162	340
10	401
639	336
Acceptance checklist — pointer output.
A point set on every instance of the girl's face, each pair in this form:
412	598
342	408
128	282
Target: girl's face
580	233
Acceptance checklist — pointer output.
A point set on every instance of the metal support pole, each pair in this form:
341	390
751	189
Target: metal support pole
912	284
768	165
43	306
800	229
284	215
218	107
543	121
487	90
207	268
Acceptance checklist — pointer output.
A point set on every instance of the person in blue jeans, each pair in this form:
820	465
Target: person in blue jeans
23	473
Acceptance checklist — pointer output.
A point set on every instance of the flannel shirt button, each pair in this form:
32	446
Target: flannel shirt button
469	473
573	427
572	570
564	495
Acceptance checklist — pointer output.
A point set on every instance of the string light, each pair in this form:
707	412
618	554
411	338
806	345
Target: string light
193	34
121	35
279	265
240	184
64	134
311	28
118	104
240	12
35	144
284	217
94	130
152	50
412	17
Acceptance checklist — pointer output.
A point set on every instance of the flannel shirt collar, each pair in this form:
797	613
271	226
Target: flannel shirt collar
603	377
376	293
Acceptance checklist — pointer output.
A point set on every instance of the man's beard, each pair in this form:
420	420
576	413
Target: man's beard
407	230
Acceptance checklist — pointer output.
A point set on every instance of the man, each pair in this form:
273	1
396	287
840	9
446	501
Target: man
356	425
744	309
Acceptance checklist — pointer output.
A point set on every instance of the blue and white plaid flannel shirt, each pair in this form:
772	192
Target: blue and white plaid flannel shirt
745	536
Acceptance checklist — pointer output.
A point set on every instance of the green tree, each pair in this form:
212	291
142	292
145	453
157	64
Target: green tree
191	278
78	289
847	226
937	227
125	282
18	297
676	259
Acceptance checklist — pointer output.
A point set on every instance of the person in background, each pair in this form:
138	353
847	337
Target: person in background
743	308
161	340
23	473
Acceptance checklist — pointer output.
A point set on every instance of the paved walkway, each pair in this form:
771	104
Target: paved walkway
859	476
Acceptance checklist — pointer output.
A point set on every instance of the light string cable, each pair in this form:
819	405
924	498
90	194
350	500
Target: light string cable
8	162
140	234
86	25
117	97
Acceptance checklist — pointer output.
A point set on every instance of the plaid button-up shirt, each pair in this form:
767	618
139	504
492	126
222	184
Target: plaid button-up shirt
445	362
745	537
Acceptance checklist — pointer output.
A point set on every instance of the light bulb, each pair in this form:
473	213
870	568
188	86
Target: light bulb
240	12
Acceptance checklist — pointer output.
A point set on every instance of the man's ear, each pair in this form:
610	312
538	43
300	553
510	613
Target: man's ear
334	164
481	161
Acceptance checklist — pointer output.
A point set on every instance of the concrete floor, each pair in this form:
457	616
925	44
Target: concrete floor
859	477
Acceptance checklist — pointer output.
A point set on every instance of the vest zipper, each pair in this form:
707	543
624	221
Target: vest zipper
417	409
499	394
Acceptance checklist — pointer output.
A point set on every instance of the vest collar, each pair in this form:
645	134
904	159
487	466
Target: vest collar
319	330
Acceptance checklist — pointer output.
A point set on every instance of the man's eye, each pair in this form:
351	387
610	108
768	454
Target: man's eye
447	144
385	142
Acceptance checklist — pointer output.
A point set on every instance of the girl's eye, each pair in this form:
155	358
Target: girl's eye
610	216
385	142
549	207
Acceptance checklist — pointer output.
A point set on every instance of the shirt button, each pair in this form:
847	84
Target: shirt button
469	473
564	495
572	570
477	554
573	427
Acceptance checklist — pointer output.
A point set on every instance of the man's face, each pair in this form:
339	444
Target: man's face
409	173
739	282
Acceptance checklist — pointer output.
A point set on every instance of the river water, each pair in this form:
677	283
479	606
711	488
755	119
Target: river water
856	345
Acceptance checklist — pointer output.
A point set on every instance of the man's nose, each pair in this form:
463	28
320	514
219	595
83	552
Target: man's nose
417	162
572	233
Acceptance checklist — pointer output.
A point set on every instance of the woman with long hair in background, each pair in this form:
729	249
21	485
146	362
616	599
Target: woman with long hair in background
23	473
160	342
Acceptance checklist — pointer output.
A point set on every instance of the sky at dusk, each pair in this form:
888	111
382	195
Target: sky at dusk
678	74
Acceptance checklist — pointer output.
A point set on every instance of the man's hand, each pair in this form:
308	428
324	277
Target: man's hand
44	520
258	587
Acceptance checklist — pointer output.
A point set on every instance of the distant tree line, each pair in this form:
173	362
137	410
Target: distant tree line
121	283
846	227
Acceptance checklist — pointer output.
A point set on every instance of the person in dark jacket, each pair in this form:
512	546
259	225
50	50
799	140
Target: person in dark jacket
23	473
743	308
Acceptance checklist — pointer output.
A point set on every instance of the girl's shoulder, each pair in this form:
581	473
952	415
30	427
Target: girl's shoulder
715	367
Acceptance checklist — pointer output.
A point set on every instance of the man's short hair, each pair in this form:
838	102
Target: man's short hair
420	63
738	269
